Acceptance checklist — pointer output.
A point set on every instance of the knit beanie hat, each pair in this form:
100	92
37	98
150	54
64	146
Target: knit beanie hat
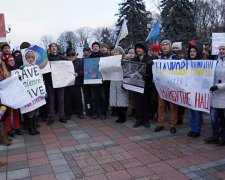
177	45
120	49
49	46
131	51
166	41
156	47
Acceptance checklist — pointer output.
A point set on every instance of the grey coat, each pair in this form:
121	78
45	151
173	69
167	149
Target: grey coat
218	96
118	96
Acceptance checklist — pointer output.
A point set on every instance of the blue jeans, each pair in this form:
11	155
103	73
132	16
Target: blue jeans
195	120
215	122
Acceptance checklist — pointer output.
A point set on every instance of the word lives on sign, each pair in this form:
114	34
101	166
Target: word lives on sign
185	82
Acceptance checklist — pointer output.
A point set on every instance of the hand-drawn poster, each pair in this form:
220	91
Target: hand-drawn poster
92	74
185	82
63	74
133	76
33	82
41	58
110	68
13	93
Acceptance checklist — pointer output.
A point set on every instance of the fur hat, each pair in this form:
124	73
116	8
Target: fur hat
166	41
143	45
120	49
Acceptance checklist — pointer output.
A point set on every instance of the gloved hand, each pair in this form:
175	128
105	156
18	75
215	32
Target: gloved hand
213	88
122	87
151	62
21	67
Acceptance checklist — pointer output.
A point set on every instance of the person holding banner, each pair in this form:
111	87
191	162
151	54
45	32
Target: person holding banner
32	116
11	65
119	98
3	138
166	55
98	96
218	100
195	117
73	95
144	102
54	56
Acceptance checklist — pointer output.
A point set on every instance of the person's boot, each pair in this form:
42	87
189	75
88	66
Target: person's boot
119	115
137	123
147	124
4	140
31	126
50	121
113	113
2	163
35	125
124	115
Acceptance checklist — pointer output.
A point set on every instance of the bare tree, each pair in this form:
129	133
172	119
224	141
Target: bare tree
83	34
65	37
46	40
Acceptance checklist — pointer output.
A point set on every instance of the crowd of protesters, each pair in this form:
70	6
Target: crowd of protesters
96	100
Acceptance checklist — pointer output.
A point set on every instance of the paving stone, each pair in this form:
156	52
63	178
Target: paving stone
66	149
55	156
61	169
40	170
192	175
53	151
3	175
58	162
18	174
17	165
35	148
65	176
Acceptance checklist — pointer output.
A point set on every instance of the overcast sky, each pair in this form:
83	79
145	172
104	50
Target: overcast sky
31	19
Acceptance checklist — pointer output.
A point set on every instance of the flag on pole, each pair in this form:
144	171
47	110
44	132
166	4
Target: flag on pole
123	32
155	32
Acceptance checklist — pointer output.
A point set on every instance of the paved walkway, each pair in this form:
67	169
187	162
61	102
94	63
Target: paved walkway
101	149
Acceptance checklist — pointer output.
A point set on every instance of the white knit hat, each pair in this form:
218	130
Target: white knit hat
222	44
177	45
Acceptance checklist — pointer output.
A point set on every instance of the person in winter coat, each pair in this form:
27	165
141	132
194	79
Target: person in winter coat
144	102
4	139
195	117
119	97
5	52
54	56
98	96
15	113
218	100
32	116
167	54
73	96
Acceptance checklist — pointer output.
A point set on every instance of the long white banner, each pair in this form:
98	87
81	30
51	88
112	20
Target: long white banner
185	82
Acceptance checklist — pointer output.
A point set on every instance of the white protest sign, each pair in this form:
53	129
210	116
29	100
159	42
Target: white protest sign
110	68
80	52
217	39
62	73
13	94
33	82
185	83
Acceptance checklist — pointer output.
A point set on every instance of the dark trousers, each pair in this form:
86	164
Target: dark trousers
145	104
51	100
73	100
98	100
122	113
87	99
